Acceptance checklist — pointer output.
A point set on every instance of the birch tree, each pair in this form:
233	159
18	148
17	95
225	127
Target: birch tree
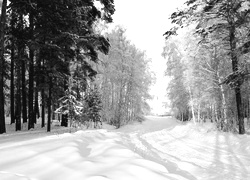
125	80
226	20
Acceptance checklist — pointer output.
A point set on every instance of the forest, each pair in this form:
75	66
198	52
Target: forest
124	89
59	61
207	52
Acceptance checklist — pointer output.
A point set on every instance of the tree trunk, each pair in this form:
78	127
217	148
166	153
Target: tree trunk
37	112
24	100
18	92
224	106
64	121
192	104
43	107
53	111
49	105
199	113
12	87
239	111
118	112
2	35
112	95
248	111
237	89
35	100
31	77
42	91
20	66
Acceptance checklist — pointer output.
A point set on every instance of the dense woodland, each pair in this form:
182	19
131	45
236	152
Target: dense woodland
57	60
124	81
207	52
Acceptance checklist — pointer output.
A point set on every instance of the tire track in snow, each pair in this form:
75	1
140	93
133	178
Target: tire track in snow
209	159
173	148
174	158
147	151
185	149
225	152
207	148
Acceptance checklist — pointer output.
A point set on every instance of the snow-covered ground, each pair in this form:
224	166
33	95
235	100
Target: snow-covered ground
159	148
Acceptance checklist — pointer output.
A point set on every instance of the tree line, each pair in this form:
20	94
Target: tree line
125	79
58	58
207	52
39	39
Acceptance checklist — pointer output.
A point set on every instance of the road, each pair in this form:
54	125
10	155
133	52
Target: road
192	152
159	148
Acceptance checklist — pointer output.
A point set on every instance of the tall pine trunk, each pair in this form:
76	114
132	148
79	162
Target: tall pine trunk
34	100
2	33
24	96
64	121
43	107
18	89
31	91
49	105
31	76
237	90
42	79
43	100
19	67
37	112
12	87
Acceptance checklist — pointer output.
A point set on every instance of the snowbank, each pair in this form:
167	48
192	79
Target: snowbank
202	151
81	155
158	148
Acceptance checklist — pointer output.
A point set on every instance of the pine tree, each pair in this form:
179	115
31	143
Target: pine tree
69	103
2	62
94	105
52	34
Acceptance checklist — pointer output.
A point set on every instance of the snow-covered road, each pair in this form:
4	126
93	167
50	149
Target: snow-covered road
159	148
194	152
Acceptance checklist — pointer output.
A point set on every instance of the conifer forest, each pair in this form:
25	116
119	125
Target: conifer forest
59	62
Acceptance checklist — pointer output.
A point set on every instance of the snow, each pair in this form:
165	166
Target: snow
159	148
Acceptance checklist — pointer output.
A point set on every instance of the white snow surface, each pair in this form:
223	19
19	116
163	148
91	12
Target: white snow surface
159	148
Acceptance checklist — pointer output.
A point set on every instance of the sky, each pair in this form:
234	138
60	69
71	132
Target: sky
146	21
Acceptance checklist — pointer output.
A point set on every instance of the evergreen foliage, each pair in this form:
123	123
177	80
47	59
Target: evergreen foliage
69	104
43	38
94	105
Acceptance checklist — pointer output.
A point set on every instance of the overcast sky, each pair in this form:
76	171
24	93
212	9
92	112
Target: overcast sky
146	21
